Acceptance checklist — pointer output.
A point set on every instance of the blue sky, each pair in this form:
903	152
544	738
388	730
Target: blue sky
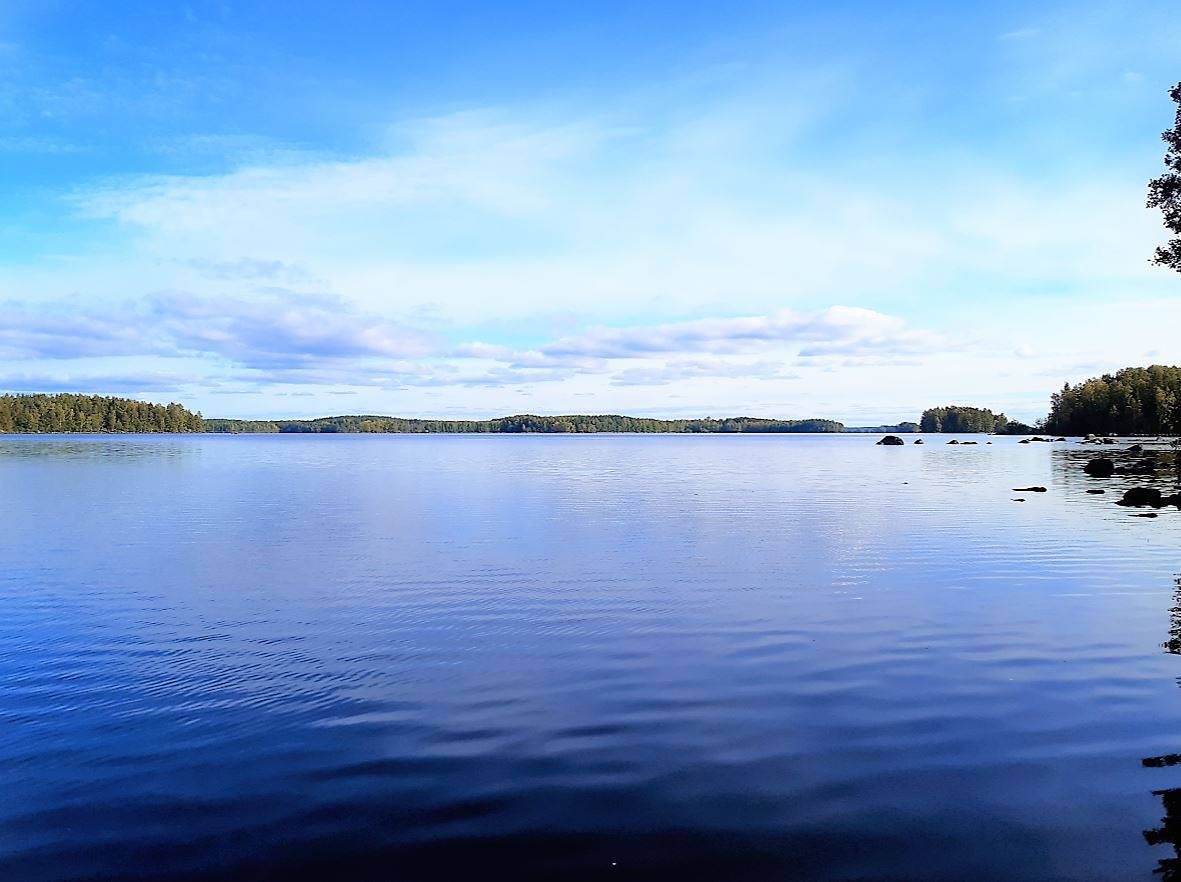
851	210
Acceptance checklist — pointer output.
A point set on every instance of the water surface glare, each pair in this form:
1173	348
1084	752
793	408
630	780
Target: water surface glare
582	657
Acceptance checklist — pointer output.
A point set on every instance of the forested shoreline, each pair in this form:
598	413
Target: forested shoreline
67	412
524	424
1132	401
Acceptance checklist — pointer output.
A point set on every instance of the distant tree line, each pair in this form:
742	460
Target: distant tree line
525	423
903	428
1132	401
92	413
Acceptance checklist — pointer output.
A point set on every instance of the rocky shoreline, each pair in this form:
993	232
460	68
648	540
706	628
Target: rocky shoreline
1133	461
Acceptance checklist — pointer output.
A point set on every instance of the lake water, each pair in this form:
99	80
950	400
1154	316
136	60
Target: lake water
568	657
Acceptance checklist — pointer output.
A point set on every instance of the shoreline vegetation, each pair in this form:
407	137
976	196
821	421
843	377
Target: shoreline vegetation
1132	401
527	424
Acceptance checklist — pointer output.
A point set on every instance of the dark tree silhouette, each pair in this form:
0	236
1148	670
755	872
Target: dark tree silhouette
1165	192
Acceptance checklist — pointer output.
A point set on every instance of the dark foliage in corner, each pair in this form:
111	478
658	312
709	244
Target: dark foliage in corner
1164	192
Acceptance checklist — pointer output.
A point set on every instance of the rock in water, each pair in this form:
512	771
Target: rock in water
918	440
1138	496
1144	467
891	440
1100	468
1096	491
1029	489
1135	448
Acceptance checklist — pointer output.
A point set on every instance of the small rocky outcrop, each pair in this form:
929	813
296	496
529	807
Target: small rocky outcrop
891	441
1140	496
1029	489
918	440
1135	448
953	441
1095	491
1100	468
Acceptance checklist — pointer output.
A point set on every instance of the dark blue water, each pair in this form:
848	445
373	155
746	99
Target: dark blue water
599	657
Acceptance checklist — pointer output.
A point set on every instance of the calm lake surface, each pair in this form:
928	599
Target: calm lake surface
601	657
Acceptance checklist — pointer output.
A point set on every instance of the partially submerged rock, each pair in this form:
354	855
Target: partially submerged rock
1139	496
1100	468
1029	489
918	440
891	441
1096	491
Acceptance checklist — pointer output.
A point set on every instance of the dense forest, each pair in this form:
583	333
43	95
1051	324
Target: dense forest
92	413
525	423
958	418
1133	401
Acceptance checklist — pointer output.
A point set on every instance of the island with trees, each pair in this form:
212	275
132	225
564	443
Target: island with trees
960	418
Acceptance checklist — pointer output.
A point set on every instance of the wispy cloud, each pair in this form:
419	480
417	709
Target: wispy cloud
1021	34
838	329
281	329
145	383
274	329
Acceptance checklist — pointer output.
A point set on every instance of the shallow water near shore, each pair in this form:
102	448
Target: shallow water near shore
634	657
